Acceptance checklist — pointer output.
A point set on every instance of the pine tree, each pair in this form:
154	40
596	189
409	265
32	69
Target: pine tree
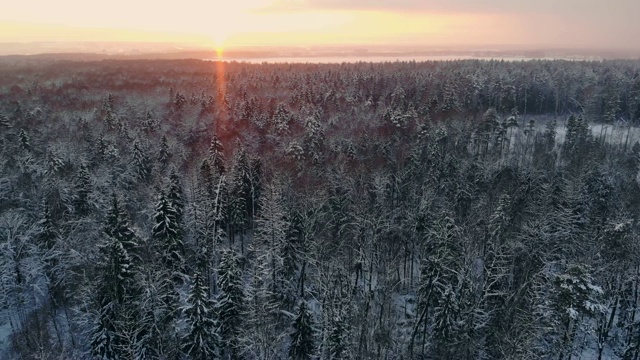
141	162
164	156
201	341
158	310
25	143
574	296
113	294
104	337
271	234
240	195
116	269
550	135
302	345
445	326
54	163
4	121
338	338
176	197
49	237
166	234
117	226
83	190
230	303
216	155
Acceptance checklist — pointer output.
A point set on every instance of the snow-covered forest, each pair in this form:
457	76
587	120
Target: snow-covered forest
202	210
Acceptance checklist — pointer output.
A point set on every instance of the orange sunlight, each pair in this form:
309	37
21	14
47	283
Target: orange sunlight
244	22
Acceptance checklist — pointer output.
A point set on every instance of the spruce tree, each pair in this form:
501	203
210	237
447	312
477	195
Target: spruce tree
104	335
141	162
201	340
25	142
176	197
302	345
216	155
166	234
230	303
338	338
113	296
164	155
83	189
4	121
117	226
271	235
49	237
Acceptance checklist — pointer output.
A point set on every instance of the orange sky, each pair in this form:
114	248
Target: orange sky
578	23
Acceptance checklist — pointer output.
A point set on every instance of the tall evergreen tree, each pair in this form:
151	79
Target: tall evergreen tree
338	338
83	189
302	345
164	155
104	335
4	121
175	196
117	226
201	340
141	162
25	142
216	155
166	234
230	303
49	237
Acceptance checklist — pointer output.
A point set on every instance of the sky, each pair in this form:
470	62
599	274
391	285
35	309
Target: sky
591	24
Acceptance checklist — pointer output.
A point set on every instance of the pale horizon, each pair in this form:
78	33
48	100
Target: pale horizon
586	24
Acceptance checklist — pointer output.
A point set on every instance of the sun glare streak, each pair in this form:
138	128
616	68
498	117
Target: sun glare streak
219	89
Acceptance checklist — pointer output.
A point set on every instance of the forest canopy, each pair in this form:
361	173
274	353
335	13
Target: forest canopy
439	210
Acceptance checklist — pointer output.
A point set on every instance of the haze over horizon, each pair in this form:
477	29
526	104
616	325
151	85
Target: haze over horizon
572	23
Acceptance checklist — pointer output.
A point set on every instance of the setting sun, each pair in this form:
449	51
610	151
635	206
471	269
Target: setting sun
225	24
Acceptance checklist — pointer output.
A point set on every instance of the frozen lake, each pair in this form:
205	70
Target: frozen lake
384	58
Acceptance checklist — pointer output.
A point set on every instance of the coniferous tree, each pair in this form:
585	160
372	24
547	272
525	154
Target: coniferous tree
164	155
166	234
302	345
117	226
108	340
158	308
4	121
216	155
230	303
83	190
201	340
337	340
175	196
141	162
49	238
104	335
25	142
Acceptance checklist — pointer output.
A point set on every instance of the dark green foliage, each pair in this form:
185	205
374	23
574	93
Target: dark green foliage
104	335
338	338
302	345
175	196
4	121
25	143
429	210
230	303
167	235
201	340
83	190
164	155
141	162
117	227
